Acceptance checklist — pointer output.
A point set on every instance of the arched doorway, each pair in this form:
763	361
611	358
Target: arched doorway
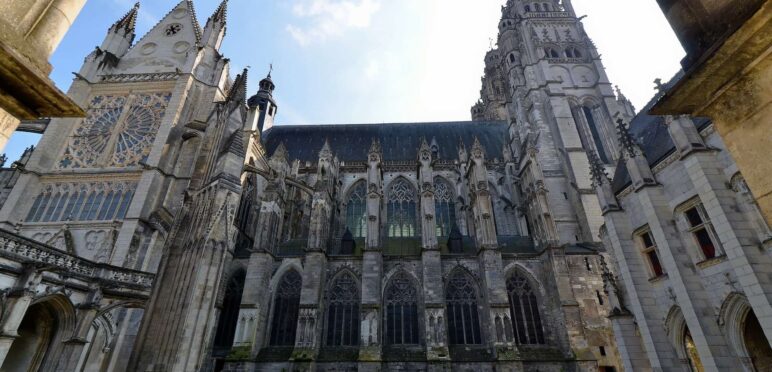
37	332
756	343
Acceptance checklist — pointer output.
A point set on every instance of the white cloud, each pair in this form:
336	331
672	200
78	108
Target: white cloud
330	18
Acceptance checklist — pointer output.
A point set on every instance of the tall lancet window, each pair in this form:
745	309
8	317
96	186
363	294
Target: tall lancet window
463	319
229	315
593	124
343	312
356	211
285	309
444	207
524	310
401	311
401	210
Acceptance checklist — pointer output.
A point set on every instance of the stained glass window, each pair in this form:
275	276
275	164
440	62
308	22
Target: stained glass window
343	312
401	311
285	309
524	310
444	207
463	318
356	211
117	131
401	210
98	201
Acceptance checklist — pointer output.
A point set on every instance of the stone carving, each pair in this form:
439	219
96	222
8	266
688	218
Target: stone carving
370	328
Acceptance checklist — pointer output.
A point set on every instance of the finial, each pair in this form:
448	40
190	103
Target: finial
270	69
625	138
129	20
658	85
597	171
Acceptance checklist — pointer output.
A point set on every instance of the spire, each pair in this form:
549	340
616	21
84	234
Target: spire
626	139
128	22
239	89
266	85
220	14
326	151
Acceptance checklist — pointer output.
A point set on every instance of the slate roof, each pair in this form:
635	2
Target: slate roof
399	141
650	132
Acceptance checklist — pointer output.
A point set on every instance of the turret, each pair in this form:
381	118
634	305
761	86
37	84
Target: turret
262	107
214	31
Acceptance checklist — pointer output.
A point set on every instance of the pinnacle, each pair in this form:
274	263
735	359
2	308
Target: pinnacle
129	21
221	13
239	89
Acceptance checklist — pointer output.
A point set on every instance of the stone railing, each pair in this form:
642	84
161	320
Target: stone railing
24	250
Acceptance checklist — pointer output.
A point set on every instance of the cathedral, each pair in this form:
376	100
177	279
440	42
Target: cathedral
177	228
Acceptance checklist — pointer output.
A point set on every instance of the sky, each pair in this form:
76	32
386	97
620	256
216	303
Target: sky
380	61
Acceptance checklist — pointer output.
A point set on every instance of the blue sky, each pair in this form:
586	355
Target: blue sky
371	61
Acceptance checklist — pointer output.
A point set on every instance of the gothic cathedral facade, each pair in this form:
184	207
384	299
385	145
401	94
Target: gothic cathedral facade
176	228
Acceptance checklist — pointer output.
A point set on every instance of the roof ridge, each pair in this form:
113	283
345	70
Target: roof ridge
497	122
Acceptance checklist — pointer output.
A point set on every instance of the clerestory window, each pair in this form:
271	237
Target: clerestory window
401	210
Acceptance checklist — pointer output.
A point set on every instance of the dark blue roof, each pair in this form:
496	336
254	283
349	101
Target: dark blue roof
400	141
650	132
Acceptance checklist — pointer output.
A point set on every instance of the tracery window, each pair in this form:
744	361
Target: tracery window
444	207
285	309
524	310
401	210
117	131
356	211
463	318
95	201
343	312
401	311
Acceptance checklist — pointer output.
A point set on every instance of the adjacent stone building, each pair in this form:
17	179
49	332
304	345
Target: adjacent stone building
177	228
691	247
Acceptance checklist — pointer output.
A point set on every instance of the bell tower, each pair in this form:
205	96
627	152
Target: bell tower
560	104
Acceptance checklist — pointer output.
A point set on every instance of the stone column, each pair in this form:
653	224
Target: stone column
18	300
255	303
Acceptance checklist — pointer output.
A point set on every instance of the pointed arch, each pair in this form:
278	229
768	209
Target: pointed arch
444	206
461	299
343	315
286	306
229	313
681	338
402	209
524	309
356	209
401	310
47	323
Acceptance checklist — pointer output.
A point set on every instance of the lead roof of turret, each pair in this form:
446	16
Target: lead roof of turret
399	141
651	134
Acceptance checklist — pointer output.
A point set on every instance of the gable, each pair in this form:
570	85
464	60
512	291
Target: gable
169	45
